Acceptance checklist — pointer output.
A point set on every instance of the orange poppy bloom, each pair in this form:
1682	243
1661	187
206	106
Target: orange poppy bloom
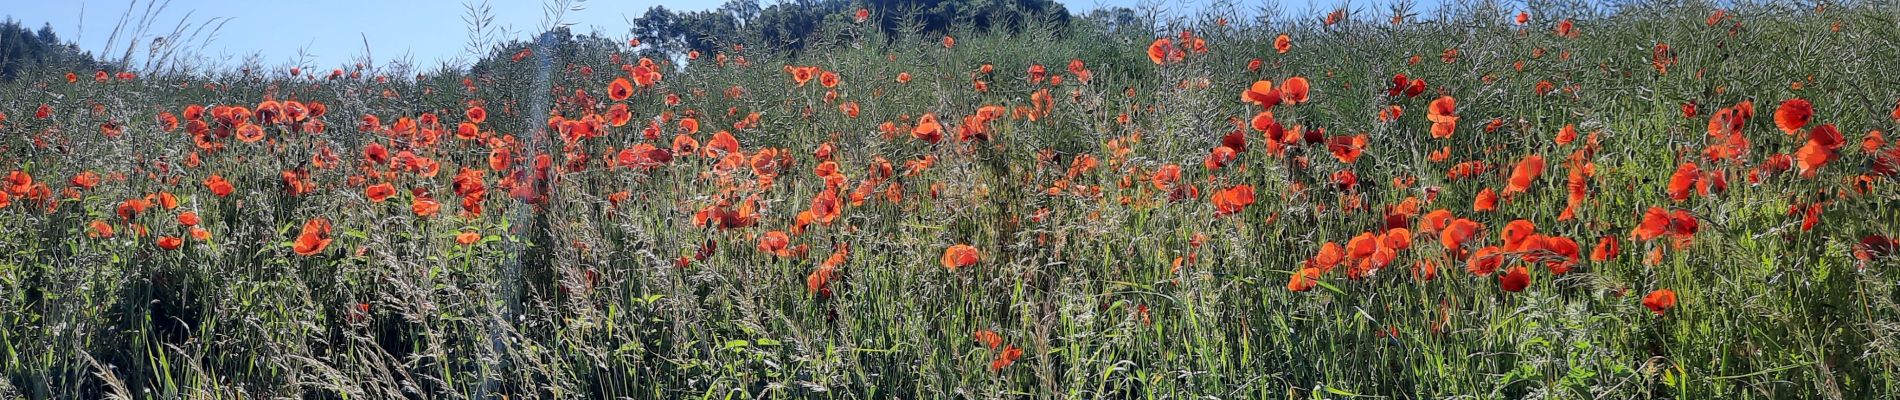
218	186
188	218
1660	300
828	79
1233	200
1162	51
1823	145
1006	357
1487	201
170	242
1567	135
1304	280
1683	182
1793	114
1442	114
960	256
1524	174
250	133
86	180
1165	177
132	208
379	192
314	237
988	338
928	129
1516	233
1567	29
1295	89
1282	44
1329	256
1347	149
467	238
1605	249
777	243
801	74
96	229
620	89
1484	261
476	114
826	207
424	206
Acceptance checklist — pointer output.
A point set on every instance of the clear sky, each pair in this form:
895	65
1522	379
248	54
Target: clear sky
325	34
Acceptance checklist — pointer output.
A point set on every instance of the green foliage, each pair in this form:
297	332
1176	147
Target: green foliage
23	51
595	281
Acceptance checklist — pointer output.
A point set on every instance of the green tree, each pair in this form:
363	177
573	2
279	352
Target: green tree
22	50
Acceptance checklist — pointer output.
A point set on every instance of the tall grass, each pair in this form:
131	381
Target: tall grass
600	285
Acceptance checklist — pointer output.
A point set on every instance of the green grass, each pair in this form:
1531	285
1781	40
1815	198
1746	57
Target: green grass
577	297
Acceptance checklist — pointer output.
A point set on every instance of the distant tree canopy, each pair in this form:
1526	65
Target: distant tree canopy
23	50
794	25
565	44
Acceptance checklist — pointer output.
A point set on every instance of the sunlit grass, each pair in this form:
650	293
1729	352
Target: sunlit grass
643	274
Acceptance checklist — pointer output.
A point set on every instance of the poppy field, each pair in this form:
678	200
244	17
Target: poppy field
1672	200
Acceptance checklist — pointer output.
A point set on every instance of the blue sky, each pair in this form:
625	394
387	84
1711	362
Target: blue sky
331	33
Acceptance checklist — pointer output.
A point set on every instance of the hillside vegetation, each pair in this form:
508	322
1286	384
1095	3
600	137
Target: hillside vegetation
1660	200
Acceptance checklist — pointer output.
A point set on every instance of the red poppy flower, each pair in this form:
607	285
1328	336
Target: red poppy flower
1566	135
960	256
1295	89
1655	222
1233	200
86	180
314	237
1874	246
1524	174
1515	279
777	243
1456	233
620	89
96	229
1304	280
218	186
1261	92
1484	261
1823	145
1793	114
1660	300
170	242
1605	249
828	79
1442	112
928	129
1683	182
476	114
1516	233
988	338
250	133
1162	51
1006	357
1347	149
379	192
1487	201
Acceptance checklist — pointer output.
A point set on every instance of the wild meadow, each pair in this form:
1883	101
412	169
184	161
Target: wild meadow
1492	201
